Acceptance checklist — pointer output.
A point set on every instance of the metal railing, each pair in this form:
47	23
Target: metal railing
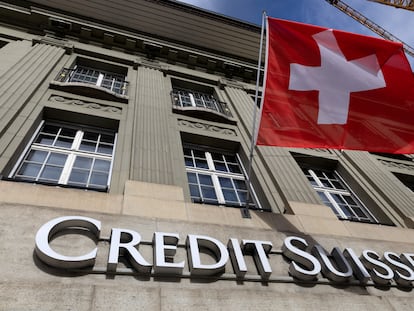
113	82
188	100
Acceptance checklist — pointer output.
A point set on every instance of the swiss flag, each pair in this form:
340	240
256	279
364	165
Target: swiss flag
326	88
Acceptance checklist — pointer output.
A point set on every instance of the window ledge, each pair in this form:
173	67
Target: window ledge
205	114
89	90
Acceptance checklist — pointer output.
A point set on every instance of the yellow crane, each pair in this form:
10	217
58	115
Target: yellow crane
359	17
402	4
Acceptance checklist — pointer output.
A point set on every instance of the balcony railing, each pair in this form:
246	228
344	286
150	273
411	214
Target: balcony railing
190	100
110	81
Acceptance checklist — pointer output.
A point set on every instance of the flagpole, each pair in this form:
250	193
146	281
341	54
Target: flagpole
245	211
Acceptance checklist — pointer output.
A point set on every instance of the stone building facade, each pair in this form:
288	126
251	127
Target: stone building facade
139	115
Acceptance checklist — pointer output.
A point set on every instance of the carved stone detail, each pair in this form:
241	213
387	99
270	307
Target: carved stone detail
320	150
401	166
83	104
206	127
58	42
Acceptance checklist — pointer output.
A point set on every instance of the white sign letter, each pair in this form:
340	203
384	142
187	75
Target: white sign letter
49	229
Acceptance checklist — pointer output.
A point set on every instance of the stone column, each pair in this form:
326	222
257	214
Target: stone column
22	76
153	123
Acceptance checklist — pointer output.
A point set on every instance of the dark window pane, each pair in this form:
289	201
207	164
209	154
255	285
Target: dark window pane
107	139
199	154
201	163
90	136
36	156
51	173
243	196
346	210
79	176
205	180
240	184
30	169
52	129
337	185
231	159
68	132
187	152
64	142
349	200
225	182
45	139
101	165
99	178
195	192
234	168
326	183
82	162
189	162
338	198
87	146
57	159
208	192
230	195
360	213
220	166
217	156
330	175
106	149
319	174
192	178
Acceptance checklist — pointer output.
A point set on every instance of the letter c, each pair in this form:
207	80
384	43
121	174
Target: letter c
49	229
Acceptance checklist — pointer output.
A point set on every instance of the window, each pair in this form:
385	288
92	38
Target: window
66	154
114	82
185	98
215	177
337	195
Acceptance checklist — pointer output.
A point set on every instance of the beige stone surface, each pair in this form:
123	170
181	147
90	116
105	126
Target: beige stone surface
155	191
27	284
76	199
139	297
44	296
379	232
319	225
154	208
317	210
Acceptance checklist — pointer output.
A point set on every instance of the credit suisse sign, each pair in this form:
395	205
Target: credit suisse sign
306	262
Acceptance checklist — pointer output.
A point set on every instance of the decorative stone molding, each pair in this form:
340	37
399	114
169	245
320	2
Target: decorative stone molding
319	150
206	127
152	64
58	42
229	83
83	104
398	165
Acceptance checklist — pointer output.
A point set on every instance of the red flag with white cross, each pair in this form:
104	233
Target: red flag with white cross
326	88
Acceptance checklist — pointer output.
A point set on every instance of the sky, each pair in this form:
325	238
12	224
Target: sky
398	22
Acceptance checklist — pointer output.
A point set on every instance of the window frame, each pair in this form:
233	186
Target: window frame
344	191
204	103
215	176
102	74
71	153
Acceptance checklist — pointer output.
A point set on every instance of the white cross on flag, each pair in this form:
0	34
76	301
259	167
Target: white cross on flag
326	88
